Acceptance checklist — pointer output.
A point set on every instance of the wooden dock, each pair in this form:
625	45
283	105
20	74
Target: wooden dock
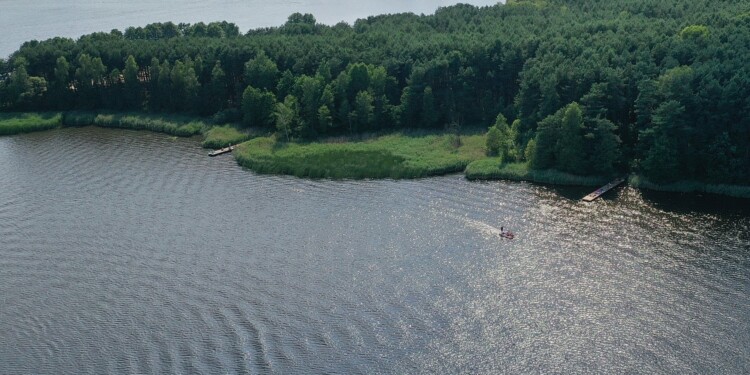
599	192
222	151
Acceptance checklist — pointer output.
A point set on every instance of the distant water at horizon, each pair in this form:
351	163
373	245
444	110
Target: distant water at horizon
43	19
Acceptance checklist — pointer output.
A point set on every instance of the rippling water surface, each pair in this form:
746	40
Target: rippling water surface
133	252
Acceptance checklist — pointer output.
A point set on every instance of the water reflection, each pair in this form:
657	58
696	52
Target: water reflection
133	252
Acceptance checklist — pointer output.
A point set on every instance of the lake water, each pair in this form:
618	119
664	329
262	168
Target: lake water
24	20
134	252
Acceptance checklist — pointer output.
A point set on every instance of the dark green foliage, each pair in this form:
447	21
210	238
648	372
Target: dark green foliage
261	72
363	111
231	115
285	85
60	89
287	117
217	91
494	141
570	154
169	30
516	150
300	24
89	79
573	144
606	148
544	155
313	94
258	107
325	120
20	90
429	111
493	169
661	163
184	86
133	88
163	92
719	157
653	79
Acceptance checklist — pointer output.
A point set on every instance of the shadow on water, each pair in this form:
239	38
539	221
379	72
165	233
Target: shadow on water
573	193
687	203
679	203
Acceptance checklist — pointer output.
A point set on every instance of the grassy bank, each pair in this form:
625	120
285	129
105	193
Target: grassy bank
736	191
16	123
181	126
492	169
177	125
401	155
396	156
223	136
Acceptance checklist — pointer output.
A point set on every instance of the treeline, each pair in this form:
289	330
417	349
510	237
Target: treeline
590	87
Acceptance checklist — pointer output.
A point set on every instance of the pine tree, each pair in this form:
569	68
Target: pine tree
494	141
261	72
571	144
258	107
133	95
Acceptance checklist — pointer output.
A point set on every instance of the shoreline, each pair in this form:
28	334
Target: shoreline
401	155
691	187
12	123
490	169
214	136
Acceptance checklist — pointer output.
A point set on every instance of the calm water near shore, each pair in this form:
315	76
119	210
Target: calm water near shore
134	252
24	20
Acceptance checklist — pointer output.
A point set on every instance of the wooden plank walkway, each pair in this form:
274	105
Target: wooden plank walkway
222	151
599	192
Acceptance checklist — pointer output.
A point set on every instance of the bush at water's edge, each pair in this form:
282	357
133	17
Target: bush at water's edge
17	123
392	156
492	169
181	126
223	136
737	191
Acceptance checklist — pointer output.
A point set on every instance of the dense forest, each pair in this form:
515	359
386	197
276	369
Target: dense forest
591	87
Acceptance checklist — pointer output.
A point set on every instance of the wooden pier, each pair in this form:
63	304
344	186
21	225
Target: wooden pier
599	192
222	151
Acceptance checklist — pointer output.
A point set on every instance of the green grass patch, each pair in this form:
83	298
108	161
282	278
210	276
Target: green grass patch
492	169
16	123
181	126
484	169
78	118
391	156
223	136
173	125
737	191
